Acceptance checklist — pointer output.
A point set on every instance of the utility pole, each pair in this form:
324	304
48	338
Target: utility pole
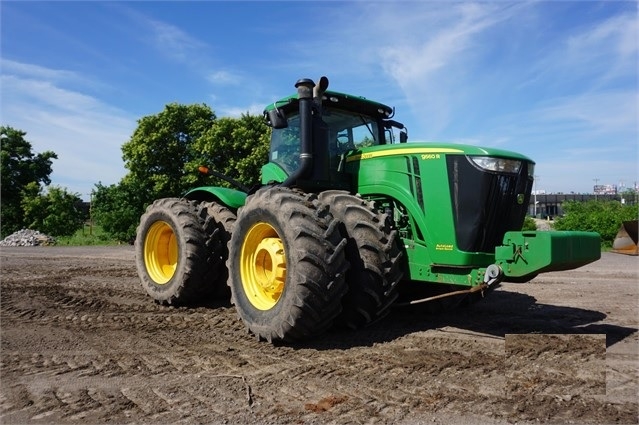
595	188
535	195
91	213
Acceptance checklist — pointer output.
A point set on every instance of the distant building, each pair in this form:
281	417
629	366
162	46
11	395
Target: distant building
605	189
549	204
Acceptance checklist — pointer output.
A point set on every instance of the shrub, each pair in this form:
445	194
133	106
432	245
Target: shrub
529	224
603	217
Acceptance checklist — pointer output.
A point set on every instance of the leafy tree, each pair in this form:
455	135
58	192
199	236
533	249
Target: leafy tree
56	213
603	217
236	147
20	167
630	196
163	156
162	145
156	157
117	208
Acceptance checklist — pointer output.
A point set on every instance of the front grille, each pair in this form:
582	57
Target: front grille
486	204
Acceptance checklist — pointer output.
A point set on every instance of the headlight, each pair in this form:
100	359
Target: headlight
500	165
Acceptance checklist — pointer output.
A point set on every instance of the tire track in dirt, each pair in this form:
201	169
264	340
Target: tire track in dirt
88	346
307	373
65	303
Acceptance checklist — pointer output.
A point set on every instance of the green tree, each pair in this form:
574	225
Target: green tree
117	208
603	217
236	147
56	213
156	157
20	166
162	145
630	196
163	156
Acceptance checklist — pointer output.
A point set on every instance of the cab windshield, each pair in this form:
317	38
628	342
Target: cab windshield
347	131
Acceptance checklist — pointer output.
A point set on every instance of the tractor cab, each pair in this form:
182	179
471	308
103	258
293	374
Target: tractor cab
340	124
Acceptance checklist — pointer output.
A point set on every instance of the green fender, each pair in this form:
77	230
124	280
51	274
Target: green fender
230	197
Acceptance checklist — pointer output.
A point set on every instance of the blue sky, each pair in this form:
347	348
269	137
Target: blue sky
556	81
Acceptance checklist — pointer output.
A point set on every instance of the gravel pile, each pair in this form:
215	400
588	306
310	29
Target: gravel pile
26	237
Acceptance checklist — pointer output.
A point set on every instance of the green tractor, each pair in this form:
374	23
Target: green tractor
348	221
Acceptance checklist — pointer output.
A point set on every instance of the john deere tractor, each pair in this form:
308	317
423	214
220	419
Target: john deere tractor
349	217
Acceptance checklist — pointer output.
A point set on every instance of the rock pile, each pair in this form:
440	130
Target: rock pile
26	237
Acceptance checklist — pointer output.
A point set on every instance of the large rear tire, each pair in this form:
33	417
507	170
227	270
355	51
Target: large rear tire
173	258
373	253
287	265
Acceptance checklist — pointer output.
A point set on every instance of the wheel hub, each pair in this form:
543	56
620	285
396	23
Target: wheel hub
263	266
270	265
160	252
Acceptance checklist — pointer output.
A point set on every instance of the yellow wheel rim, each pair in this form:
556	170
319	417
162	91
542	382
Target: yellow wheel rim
160	252
263	266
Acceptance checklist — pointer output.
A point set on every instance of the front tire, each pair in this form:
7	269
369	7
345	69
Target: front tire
287	265
373	253
172	258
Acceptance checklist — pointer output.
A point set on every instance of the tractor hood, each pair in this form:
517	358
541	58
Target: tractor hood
430	148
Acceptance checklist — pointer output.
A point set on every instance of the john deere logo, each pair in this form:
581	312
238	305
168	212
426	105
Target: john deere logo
520	198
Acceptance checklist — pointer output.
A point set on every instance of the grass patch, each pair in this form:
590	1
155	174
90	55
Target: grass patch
88	235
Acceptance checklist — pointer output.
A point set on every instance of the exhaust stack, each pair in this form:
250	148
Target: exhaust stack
310	96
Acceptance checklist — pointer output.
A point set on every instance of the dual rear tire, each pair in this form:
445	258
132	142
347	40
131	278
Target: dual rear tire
180	252
288	266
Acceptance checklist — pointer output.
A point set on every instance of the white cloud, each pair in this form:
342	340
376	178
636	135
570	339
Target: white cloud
434	57
576	139
236	112
168	39
616	35
84	132
173	42
35	71
598	113
598	54
46	92
584	119
224	78
439	44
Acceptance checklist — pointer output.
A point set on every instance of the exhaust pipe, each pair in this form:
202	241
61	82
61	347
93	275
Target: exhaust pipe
319	89
310	96
305	95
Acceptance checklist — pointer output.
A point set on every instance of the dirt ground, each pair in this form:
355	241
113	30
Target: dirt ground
81	342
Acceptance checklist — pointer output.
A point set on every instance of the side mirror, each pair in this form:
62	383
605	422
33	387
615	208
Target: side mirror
403	137
275	119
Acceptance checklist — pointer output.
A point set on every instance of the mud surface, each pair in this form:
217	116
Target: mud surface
82	343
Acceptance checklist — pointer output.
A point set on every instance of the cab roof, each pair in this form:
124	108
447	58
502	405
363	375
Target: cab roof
337	100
